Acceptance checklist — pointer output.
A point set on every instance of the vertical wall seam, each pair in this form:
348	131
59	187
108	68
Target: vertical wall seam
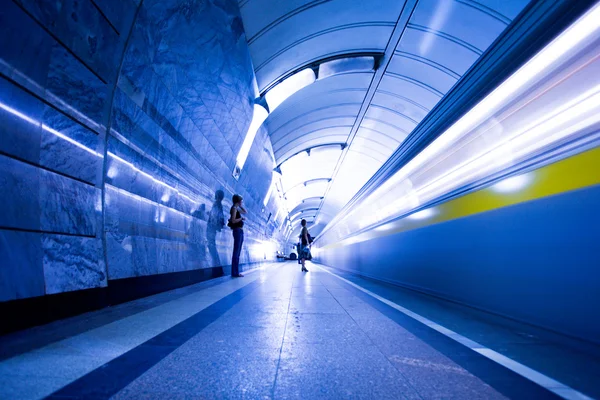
108	123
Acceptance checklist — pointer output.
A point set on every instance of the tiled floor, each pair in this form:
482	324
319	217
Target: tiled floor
276	333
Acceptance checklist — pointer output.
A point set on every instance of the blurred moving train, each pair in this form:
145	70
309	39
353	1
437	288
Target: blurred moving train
501	210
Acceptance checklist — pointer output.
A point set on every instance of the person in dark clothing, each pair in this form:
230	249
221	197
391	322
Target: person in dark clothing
304	251
236	223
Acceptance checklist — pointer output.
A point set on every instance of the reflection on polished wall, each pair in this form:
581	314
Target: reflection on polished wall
119	126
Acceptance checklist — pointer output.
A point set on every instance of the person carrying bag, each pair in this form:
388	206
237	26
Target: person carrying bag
305	242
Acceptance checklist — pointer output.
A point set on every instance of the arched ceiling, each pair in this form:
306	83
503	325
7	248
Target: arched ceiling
353	121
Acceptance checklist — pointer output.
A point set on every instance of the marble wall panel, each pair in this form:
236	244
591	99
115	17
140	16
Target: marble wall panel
58	61
172	257
175	197
119	14
20	126
81	28
122	175
19	184
144	255
133	215
24	57
155	143
72	263
67	205
21	272
80	157
179	115
118	253
74	89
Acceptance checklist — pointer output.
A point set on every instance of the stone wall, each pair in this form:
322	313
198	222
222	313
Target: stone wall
119	122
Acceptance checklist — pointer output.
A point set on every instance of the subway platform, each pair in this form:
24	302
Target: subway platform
279	333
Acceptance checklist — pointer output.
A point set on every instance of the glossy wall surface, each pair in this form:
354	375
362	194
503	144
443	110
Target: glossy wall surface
119	123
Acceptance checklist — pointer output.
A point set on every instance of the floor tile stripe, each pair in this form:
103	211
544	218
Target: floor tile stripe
548	384
113	376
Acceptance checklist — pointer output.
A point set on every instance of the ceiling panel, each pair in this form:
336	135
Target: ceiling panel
413	90
307	204
303	126
298	193
443	50
353	174
330	102
312	139
284	35
388	116
377	137
423	70
466	21
304	167
347	40
371	147
440	42
400	103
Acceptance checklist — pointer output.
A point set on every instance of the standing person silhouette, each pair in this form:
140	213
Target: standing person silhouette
304	252
236	223
215	223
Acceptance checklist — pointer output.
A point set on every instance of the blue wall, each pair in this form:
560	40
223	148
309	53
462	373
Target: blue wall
119	121
538	261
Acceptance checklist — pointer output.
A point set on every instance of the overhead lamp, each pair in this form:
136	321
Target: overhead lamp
288	87
346	65
312	198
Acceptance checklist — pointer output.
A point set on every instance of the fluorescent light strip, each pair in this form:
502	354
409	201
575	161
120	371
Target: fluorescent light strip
48	129
277	214
258	117
81	146
18	114
159	207
133	167
268	195
68	139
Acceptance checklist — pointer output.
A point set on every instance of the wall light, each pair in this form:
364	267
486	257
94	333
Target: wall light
277	214
268	195
45	127
258	117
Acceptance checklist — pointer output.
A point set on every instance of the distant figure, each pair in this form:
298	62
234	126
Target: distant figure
215	223
305	241
236	223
